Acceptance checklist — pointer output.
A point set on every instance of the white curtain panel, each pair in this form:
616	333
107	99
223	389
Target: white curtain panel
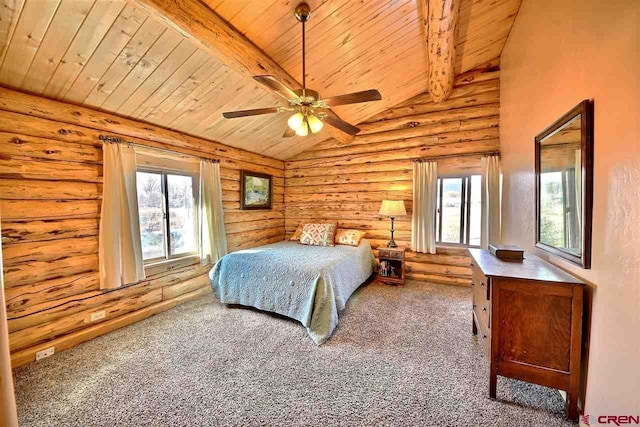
213	235
491	201
120	249
8	414
425	193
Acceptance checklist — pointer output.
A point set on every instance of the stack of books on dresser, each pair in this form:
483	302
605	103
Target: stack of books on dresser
507	252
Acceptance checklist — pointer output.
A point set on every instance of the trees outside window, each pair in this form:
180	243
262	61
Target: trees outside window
458	215
167	212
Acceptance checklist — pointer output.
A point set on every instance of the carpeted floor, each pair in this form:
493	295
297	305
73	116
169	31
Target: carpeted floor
400	357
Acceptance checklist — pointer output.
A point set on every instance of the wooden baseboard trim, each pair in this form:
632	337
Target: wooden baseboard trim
65	342
440	279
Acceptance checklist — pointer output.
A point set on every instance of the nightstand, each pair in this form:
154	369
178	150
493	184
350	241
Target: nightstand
391	269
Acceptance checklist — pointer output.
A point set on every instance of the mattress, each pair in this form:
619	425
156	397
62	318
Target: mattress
310	284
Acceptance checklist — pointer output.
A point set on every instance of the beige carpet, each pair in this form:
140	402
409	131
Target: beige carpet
400	357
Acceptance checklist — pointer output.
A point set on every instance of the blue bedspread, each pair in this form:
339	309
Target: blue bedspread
308	283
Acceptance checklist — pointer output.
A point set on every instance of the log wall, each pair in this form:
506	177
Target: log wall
50	194
346	182
51	189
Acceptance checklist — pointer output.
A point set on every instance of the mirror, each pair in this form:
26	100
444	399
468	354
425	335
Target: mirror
564	180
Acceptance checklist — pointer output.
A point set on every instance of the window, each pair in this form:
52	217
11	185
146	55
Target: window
458	215
168	215
559	210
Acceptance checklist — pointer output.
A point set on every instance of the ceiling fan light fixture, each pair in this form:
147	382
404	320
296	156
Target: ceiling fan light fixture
315	124
303	130
296	121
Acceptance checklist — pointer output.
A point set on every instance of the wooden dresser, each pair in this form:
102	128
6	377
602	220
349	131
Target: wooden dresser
528	315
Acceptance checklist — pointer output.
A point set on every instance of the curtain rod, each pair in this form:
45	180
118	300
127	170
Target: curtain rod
450	156
113	140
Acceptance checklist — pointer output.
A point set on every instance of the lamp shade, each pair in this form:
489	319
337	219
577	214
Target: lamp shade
392	208
315	124
296	121
303	130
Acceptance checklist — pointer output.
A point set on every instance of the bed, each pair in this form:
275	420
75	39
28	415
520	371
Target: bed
310	284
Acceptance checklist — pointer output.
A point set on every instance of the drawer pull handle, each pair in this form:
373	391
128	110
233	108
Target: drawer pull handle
481	283
484	308
484	337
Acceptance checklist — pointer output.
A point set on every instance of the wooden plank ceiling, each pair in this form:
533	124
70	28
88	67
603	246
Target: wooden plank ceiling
111	55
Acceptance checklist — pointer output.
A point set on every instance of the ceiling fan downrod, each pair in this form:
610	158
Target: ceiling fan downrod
303	13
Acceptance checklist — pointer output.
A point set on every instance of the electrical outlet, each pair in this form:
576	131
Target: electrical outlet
97	315
45	353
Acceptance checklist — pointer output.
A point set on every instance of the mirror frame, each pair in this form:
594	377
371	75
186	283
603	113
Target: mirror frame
585	109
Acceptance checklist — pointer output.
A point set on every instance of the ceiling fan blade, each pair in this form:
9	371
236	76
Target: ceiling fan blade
288	133
333	120
245	113
354	98
276	86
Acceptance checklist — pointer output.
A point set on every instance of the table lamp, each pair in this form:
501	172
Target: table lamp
392	209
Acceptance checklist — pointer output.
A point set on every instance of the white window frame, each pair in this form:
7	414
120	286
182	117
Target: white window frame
465	211
163	164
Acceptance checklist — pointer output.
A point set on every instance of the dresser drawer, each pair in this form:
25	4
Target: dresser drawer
482	309
480	283
485	336
485	314
390	254
484	333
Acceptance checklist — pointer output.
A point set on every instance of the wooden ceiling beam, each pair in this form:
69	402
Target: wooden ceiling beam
440	18
199	23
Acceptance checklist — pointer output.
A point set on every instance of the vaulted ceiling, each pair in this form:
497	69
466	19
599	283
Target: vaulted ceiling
114	56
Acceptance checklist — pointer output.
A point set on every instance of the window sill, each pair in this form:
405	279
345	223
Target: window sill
163	266
456	245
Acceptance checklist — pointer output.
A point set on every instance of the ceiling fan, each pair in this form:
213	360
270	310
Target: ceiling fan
310	111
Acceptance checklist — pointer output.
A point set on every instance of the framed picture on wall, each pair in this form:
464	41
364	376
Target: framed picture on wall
255	191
